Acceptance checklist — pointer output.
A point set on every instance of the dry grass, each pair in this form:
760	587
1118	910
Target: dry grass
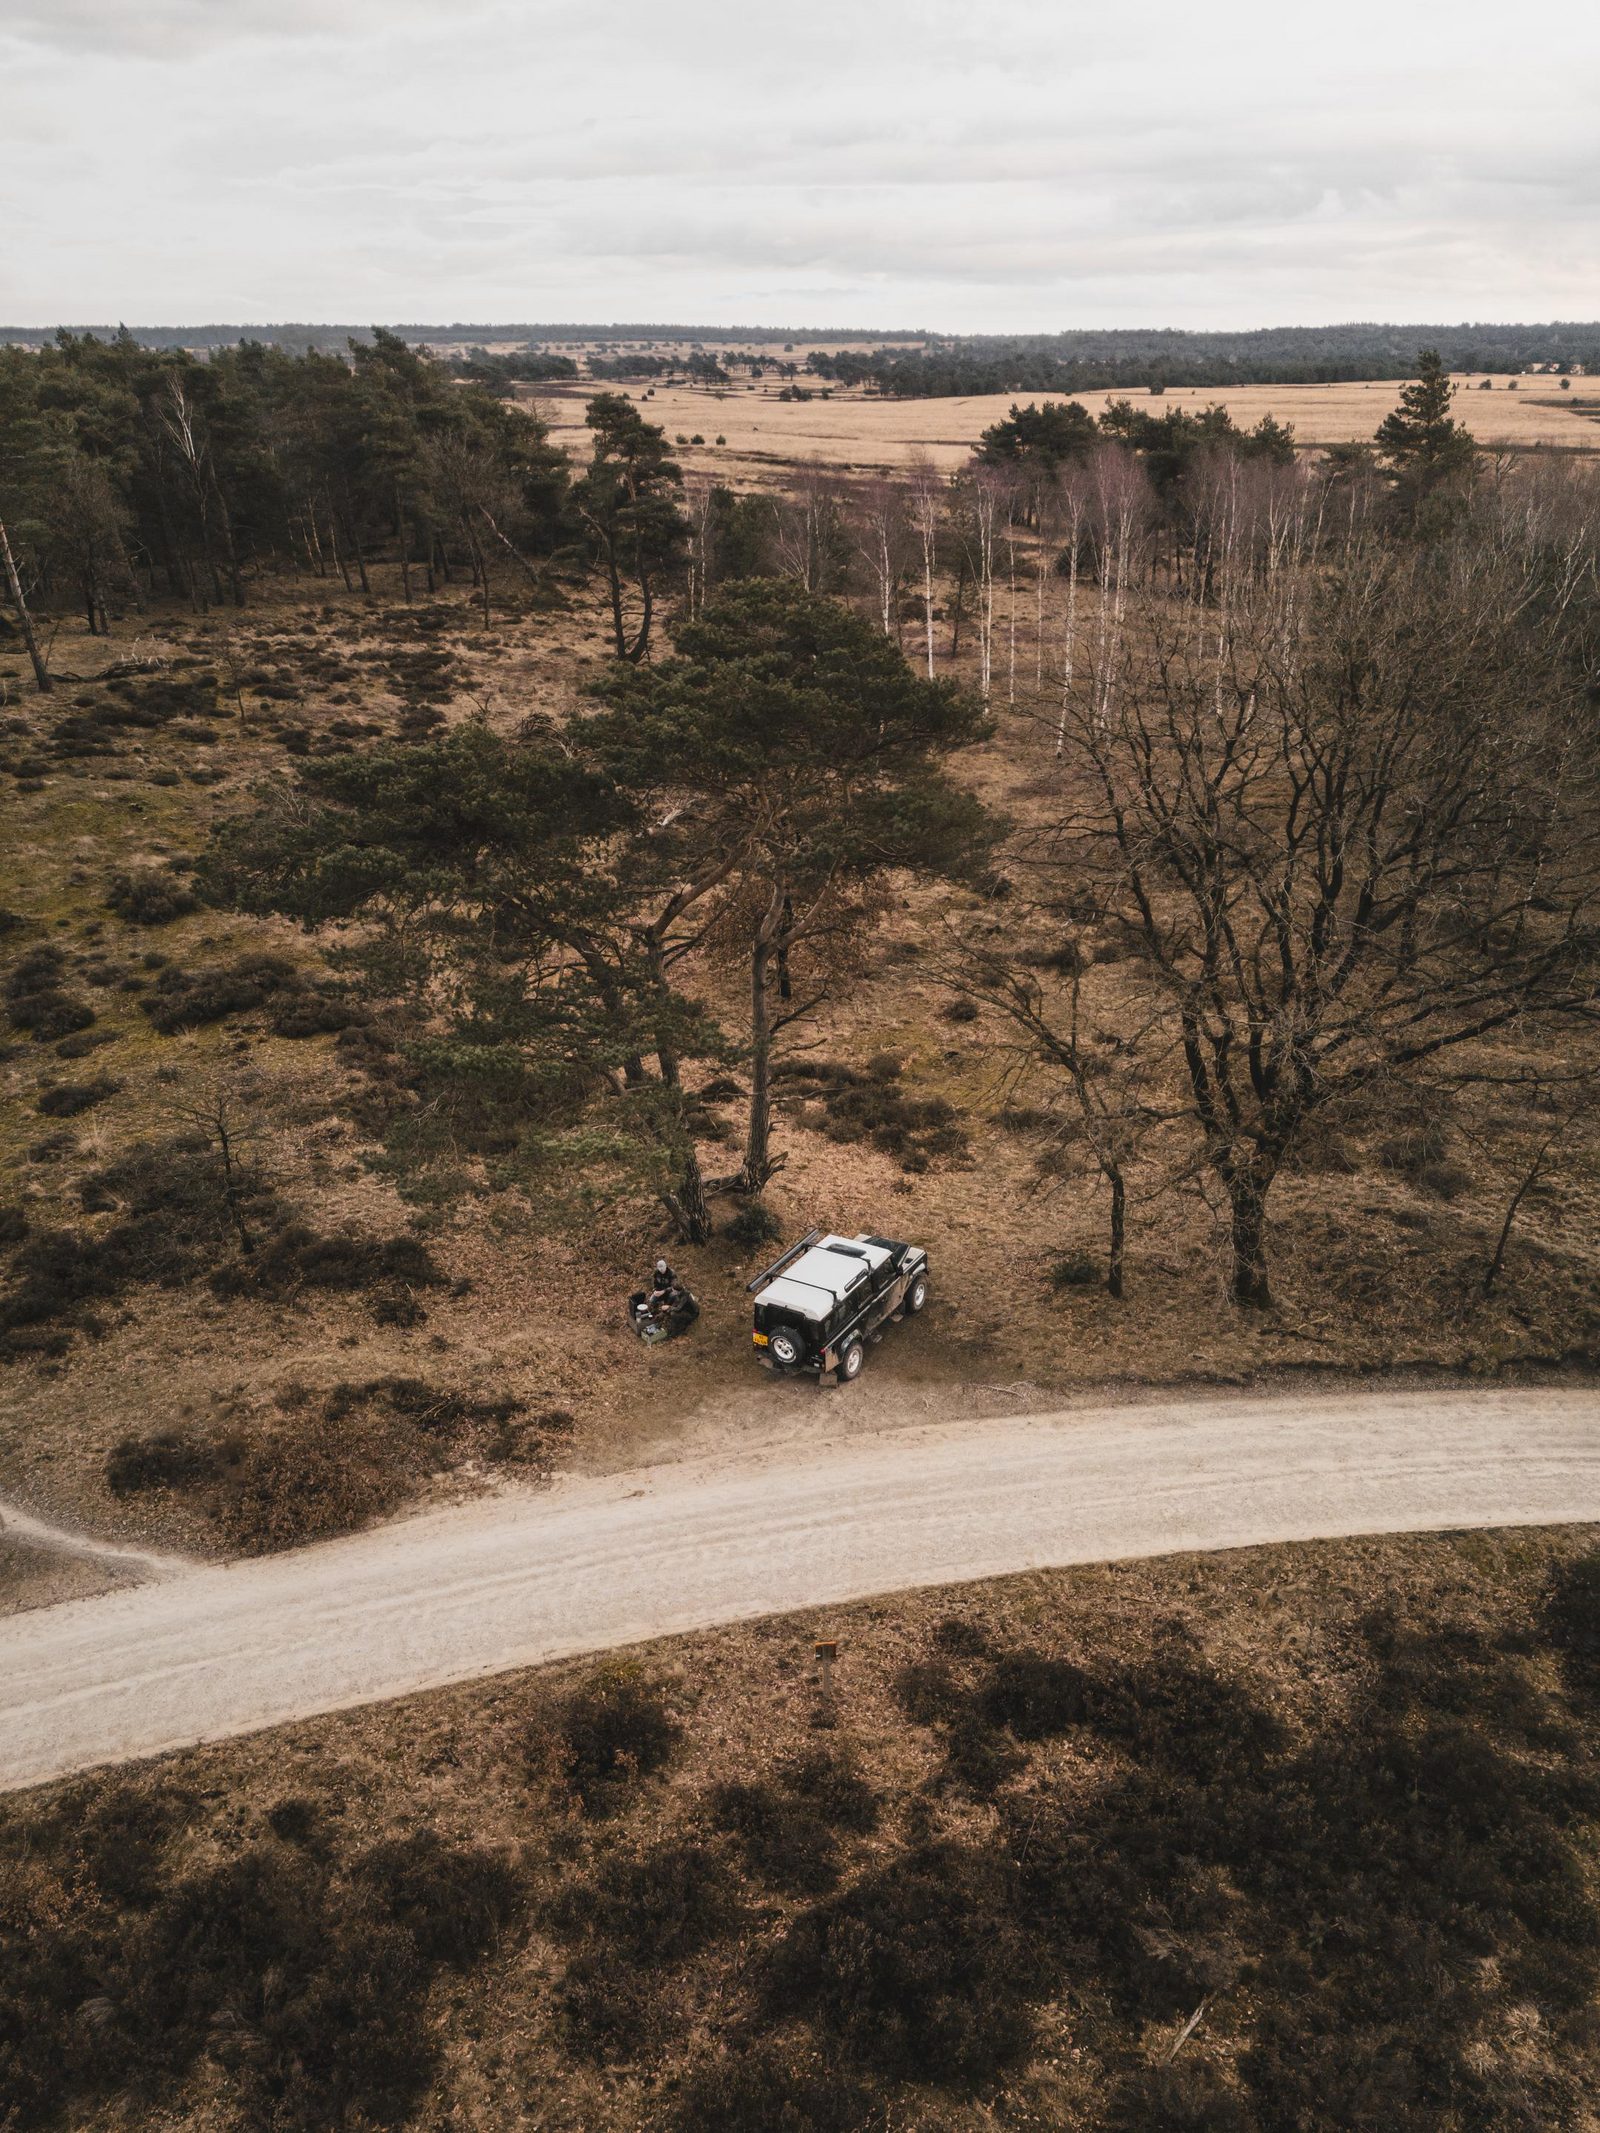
861	434
1339	1801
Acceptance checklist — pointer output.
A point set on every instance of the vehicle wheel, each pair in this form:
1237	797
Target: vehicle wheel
851	1359
786	1348
917	1295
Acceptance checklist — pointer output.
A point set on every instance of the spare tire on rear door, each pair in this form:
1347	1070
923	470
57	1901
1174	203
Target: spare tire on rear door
786	1345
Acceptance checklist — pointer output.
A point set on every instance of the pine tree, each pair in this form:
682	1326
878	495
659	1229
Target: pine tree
1421	439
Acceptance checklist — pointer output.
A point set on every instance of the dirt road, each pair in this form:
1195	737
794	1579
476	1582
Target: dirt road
201	1653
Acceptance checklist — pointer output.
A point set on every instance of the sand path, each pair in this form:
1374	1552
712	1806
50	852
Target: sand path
203	1652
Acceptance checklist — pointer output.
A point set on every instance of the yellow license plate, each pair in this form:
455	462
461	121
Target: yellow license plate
760	1339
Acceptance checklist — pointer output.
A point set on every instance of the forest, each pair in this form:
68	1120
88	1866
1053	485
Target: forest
1282	355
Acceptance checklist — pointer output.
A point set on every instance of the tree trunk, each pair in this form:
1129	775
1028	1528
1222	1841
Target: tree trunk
687	1203
758	1136
480	566
339	562
959	607
229	545
41	673
352	536
1247	1200
404	533
1119	1227
641	643
230	1185
618	633
927	598
1492	1274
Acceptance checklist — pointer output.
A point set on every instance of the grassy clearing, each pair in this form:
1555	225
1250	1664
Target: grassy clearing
852	431
1292	1838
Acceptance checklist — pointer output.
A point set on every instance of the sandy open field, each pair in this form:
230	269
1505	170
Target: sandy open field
868	435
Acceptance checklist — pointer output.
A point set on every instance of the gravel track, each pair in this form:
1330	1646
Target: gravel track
204	1652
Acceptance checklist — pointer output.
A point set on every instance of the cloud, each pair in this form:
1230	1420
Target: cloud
902	163
179	29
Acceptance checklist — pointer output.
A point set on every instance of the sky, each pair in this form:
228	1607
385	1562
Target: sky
890	164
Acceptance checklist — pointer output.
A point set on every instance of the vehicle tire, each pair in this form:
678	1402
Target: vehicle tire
786	1348
851	1357
916	1295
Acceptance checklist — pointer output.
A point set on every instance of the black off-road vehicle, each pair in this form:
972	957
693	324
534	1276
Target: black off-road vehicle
817	1306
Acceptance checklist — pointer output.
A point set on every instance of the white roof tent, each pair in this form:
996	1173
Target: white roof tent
825	1271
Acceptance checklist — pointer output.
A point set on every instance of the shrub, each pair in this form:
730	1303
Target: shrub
639	1911
1446	1181
1177	1710
961	1637
167	1459
156	700
772	2085
896	1124
786	1843
1186	2096
13	1225
454	1903
307	1481
752	1226
960	1011
65	1099
149	898
1032	1695
1415	1150
722	1090
312	1012
294	1819
614	1728
1075	1270
396	1306
978	1757
832	1785
927	1692
38	1002
918	1971
654	1906
297	1984
184	1000
296	1256
1572	1621
84	1043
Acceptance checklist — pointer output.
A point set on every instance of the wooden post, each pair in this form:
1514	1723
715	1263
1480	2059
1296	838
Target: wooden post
827	1655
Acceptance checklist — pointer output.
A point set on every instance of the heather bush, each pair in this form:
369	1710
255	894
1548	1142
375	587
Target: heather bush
149	898
613	1729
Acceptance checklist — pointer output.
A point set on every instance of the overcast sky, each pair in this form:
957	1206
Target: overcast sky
878	163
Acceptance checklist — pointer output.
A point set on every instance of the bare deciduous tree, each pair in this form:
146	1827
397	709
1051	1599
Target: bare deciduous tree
1350	820
883	542
926	494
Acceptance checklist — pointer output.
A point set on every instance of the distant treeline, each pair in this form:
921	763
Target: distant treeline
1279	355
532	366
923	366
298	337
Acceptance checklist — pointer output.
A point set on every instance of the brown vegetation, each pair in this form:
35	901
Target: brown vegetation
1298	1836
280	1164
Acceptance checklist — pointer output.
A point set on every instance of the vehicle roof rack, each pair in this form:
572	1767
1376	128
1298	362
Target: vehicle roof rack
787	1259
